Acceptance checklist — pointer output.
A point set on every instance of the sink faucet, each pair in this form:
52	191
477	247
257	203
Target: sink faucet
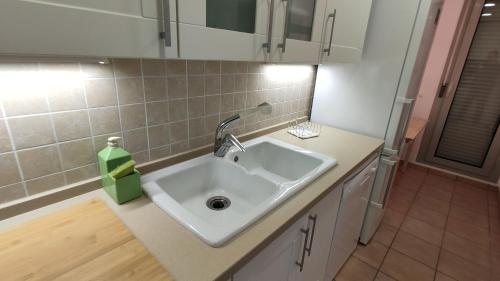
223	142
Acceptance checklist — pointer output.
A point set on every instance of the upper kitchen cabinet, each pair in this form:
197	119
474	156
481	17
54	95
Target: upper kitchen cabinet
110	28
224	29
297	31
345	27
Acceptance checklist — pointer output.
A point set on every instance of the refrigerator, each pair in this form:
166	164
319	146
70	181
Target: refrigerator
375	96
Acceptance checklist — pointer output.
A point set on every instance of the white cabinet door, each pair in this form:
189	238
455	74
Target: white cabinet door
345	27
111	28
278	261
355	196
322	219
223	30
301	253
297	31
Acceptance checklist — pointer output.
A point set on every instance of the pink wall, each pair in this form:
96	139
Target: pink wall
436	63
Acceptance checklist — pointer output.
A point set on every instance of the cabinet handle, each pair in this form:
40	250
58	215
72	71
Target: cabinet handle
165	34
282	45
314	219
393	164
267	45
304	249
329	49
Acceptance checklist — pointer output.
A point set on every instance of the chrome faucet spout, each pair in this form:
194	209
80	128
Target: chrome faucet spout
223	142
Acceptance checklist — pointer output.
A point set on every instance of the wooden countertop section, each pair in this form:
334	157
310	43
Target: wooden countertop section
83	242
186	257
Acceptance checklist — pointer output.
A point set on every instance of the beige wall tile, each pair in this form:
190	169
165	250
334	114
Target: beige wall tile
177	87
196	86
240	83
179	147
227	104
9	173
199	142
196	67
211	123
141	157
213	104
65	96
133	116
241	67
177	110
228	67
136	140
159	136
212	67
82	173
127	67
197	127
100	92
95	70
178	131
40	161
77	153
11	192
227	83
157	113
5	144
71	125
104	120
151	67
45	183
23	100
196	107
130	90
212	85
31	131
176	67
160	152
256	67
155	88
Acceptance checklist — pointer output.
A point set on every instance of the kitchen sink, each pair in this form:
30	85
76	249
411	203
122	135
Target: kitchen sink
216	198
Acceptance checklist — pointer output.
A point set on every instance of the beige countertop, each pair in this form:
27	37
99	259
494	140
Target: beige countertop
186	257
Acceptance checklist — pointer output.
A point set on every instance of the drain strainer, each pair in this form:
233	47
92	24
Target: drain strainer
218	203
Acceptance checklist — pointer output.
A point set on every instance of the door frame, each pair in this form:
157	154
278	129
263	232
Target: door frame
471	14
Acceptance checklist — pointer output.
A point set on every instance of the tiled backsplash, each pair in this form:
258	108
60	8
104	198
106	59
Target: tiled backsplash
55	117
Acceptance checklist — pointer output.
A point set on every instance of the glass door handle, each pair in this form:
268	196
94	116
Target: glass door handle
267	45
165	33
329	49
282	45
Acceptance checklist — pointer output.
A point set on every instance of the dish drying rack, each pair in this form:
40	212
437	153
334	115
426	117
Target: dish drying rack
304	130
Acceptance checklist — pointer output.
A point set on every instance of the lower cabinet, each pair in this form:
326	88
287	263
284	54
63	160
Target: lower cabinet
318	244
301	252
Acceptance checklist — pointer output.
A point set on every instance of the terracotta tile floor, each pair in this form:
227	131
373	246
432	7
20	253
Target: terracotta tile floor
435	228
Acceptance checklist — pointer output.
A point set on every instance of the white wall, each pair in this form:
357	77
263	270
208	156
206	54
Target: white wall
436	63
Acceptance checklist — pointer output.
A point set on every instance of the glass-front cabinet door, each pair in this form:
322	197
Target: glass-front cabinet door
297	30
224	29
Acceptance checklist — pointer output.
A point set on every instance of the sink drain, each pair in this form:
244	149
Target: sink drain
218	203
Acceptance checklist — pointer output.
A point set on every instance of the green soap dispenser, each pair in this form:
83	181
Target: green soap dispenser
124	188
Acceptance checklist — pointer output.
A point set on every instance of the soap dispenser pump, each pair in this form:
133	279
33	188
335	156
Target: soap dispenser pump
113	160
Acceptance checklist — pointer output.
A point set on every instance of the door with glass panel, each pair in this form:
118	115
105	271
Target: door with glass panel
466	133
297	30
224	29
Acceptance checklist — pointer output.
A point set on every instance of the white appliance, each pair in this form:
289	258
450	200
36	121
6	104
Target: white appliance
375	96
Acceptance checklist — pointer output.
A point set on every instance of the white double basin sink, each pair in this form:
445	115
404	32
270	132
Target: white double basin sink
216	198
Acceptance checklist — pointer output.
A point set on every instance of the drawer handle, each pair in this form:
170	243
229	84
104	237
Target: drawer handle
329	49
313	219
304	249
282	45
165	34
